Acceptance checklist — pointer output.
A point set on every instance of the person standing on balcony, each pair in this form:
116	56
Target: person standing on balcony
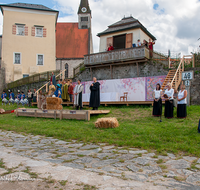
138	43
78	92
53	79
182	101
70	91
145	43
150	45
95	94
169	106
157	105
110	48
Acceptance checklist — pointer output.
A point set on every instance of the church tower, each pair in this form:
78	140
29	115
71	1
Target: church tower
84	15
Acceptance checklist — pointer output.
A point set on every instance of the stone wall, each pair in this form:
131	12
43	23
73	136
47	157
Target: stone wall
2	80
195	87
123	71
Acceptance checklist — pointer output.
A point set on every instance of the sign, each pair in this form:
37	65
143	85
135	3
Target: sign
72	112
45	111
187	75
187	83
23	110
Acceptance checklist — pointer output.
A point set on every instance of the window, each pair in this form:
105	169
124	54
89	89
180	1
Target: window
119	42
84	18
25	75
40	59
38	31
20	30
66	72
84	26
17	58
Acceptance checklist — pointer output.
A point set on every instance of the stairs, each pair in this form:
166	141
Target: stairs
174	77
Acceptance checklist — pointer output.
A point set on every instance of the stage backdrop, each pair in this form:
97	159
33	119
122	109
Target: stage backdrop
139	89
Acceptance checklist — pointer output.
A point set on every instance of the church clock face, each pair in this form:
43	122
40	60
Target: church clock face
83	9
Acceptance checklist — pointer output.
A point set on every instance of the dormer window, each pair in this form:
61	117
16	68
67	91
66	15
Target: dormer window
20	29
39	31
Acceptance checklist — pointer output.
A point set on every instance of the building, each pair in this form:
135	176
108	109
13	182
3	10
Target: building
74	40
123	34
28	42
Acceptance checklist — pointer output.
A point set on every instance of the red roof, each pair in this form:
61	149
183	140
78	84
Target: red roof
71	42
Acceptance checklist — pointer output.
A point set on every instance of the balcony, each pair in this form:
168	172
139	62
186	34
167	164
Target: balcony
116	56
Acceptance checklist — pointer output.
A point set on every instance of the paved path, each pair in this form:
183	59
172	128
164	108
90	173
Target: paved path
44	162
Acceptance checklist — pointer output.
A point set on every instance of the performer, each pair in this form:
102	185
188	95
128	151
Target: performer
59	82
65	95
52	89
157	105
4	95
78	90
53	79
150	44
19	95
95	94
58	91
30	97
34	96
182	101
22	95
39	101
70	91
110	48
11	95
169	107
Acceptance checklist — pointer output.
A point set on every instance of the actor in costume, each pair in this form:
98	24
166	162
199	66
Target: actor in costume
157	105
70	91
52	89
30	97
150	45
95	94
65	95
182	102
58	91
4	95
53	79
39	101
78	92
34	95
19	95
11	97
169	107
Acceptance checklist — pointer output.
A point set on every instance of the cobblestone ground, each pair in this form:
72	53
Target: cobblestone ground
37	162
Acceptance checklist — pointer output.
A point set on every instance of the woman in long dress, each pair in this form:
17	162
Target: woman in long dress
39	101
157	105
169	107
182	101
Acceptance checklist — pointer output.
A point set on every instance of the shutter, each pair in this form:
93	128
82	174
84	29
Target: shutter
110	41
26	30
129	40
44	32
33	31
14	28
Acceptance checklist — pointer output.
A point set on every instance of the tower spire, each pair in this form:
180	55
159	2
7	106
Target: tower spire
84	7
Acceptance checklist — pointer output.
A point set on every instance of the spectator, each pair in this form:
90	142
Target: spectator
110	47
138	43
150	45
145	43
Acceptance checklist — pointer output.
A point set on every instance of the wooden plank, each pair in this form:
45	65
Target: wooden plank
96	112
61	115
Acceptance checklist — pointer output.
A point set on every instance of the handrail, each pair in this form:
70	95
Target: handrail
178	70
48	82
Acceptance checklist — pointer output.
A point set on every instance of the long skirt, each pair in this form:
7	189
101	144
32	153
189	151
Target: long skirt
169	109
157	108
181	111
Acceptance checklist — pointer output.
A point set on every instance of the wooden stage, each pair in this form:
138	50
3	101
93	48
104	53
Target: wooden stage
60	114
127	103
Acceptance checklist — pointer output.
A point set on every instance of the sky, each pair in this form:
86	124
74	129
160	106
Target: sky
175	23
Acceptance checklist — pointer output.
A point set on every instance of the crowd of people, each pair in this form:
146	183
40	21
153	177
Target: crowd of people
149	45
172	99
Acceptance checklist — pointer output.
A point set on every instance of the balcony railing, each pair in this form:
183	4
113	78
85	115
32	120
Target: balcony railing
117	56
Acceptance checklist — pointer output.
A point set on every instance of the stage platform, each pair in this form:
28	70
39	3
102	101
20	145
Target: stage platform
111	103
60	114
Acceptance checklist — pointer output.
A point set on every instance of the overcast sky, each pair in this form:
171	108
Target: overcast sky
175	23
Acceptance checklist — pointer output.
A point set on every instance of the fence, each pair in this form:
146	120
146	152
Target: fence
46	76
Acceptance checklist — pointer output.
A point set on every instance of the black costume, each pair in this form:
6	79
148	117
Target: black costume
95	96
157	107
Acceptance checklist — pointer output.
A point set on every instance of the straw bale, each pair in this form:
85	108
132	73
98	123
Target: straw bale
54	107
54	100
107	123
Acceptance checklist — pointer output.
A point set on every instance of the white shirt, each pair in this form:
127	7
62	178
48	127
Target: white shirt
138	44
157	94
170	93
181	95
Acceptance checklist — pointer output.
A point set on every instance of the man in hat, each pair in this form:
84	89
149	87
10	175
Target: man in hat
58	91
19	95
4	95
11	95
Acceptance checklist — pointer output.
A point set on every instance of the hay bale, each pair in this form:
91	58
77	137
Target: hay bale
54	107
54	100
107	123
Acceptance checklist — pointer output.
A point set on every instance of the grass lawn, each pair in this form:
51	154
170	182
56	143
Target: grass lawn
137	129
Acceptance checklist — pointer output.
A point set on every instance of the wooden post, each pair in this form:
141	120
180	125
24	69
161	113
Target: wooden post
46	87
61	115
35	113
169	63
54	114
